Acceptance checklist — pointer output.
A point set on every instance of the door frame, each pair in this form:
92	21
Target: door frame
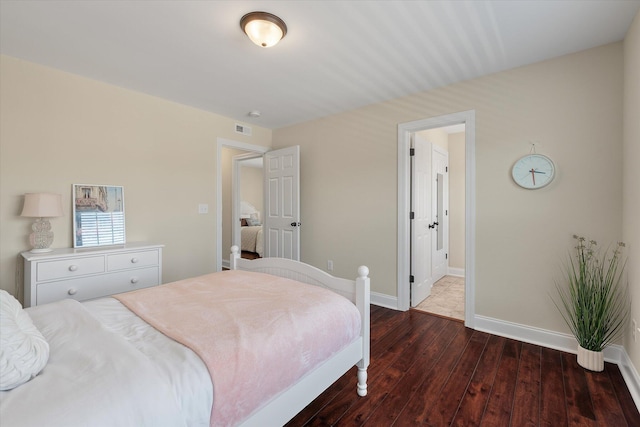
223	142
404	202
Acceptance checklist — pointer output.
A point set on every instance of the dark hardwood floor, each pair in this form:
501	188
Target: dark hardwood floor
432	371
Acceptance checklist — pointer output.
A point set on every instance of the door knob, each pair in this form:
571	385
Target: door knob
295	224
433	225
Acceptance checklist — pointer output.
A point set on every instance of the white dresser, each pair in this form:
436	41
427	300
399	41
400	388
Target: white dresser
84	274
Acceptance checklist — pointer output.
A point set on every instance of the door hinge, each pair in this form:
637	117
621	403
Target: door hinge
446	212
412	151
446	168
411	279
446	256
412	215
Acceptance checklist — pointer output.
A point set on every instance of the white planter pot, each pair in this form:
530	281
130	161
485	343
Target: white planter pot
591	360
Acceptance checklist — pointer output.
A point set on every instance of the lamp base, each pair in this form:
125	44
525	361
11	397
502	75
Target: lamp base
42	236
40	251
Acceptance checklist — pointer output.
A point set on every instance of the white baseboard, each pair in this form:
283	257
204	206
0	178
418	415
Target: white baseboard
458	272
384	300
630	375
563	342
226	264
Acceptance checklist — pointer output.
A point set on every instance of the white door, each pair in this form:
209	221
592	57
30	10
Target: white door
440	213
282	203
420	232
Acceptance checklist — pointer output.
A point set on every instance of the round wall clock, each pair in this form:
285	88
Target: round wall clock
533	171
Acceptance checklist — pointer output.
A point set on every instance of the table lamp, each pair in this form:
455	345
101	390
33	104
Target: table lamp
41	206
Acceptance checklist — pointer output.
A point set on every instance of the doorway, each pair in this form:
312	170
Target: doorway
223	192
405	130
281	199
247	198
444	253
430	211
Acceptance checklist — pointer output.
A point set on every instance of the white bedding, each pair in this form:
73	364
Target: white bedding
101	352
251	239
107	367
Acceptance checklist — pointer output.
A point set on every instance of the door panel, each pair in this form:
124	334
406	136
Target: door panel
420	231
440	208
282	203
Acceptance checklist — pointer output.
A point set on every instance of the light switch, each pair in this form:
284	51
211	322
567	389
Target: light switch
203	208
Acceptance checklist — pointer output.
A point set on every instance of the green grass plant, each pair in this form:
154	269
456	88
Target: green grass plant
594	299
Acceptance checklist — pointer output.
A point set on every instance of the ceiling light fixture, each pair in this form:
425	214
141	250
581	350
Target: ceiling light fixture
254	114
264	29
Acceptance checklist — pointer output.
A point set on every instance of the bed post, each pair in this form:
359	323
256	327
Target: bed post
235	255
363	302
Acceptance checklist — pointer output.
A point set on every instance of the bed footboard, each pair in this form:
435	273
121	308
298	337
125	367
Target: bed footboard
358	291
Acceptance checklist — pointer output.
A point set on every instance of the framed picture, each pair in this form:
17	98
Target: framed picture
98	215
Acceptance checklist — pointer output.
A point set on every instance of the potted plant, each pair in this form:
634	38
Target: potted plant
594	300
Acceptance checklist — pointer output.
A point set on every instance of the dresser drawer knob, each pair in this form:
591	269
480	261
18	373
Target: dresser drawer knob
72	291
134	280
134	260
73	267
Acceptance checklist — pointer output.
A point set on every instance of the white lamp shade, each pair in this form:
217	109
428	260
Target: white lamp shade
42	205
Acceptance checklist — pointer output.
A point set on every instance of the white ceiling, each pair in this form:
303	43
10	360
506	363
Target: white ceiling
336	56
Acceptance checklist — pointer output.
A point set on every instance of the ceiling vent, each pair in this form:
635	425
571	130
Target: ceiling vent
245	130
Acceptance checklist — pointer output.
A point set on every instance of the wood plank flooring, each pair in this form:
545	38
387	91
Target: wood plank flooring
432	371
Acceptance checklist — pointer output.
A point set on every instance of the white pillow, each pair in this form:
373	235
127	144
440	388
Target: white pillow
23	350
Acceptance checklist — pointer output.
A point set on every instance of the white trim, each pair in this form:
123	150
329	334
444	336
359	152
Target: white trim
404	198
563	342
223	142
457	272
530	334
630	375
384	300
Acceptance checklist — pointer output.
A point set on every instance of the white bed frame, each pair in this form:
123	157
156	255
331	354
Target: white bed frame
288	403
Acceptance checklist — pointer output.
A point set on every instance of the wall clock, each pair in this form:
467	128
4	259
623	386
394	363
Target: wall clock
533	171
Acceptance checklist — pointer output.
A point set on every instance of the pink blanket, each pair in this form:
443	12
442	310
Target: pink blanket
258	334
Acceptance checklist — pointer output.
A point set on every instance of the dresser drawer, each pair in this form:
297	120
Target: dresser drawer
99	286
68	268
132	260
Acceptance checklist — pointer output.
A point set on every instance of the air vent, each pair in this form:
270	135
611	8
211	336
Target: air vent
245	130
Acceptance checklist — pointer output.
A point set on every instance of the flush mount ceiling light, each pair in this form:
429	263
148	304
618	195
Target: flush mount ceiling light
264	29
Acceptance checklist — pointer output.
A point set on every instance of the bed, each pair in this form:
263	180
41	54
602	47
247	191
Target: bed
105	365
251	239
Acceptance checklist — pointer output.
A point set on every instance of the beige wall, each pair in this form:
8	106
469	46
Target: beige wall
57	129
252	187
571	106
631	180
436	136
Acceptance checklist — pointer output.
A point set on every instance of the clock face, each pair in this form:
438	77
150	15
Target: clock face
533	171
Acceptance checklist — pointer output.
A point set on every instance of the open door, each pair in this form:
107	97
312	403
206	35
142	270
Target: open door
281	220
440	213
421	227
